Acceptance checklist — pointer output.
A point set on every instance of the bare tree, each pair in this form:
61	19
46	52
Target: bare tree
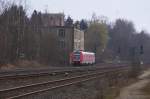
96	37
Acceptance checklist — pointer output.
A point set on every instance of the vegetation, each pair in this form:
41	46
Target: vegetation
112	93
96	37
146	89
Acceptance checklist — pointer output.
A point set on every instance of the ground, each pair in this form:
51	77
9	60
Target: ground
22	64
133	91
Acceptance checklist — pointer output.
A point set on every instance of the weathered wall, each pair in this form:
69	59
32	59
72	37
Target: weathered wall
60	41
53	19
78	39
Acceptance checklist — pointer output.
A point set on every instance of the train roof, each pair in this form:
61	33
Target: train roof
86	52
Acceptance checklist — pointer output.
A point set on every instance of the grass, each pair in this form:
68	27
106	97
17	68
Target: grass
112	93
146	89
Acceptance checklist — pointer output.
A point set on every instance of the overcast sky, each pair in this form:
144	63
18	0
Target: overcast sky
137	11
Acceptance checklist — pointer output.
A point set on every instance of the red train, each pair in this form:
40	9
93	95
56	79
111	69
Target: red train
81	58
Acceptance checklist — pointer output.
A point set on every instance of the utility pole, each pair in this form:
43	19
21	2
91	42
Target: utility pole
141	55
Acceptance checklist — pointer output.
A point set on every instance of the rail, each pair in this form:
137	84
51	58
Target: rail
28	90
48	71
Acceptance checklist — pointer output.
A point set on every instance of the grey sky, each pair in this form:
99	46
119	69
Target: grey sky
134	10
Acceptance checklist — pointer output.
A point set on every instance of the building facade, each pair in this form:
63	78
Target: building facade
78	39
53	19
63	41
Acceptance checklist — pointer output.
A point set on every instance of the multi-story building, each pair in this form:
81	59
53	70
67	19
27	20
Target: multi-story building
53	19
78	39
64	41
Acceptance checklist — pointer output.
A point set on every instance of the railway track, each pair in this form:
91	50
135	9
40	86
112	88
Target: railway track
21	73
32	89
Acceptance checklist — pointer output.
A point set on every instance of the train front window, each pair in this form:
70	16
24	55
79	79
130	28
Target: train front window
76	56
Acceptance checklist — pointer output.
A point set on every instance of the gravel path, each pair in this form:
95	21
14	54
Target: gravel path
133	91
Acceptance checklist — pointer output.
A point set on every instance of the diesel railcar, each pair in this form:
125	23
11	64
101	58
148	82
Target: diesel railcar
82	58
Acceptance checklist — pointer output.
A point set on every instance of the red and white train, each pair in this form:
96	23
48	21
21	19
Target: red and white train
81	58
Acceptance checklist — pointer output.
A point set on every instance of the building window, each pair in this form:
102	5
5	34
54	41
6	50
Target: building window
51	18
61	33
62	44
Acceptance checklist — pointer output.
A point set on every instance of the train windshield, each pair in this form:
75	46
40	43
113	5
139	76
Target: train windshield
76	56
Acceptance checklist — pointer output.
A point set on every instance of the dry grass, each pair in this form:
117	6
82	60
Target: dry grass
21	64
146	89
7	67
26	63
114	91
